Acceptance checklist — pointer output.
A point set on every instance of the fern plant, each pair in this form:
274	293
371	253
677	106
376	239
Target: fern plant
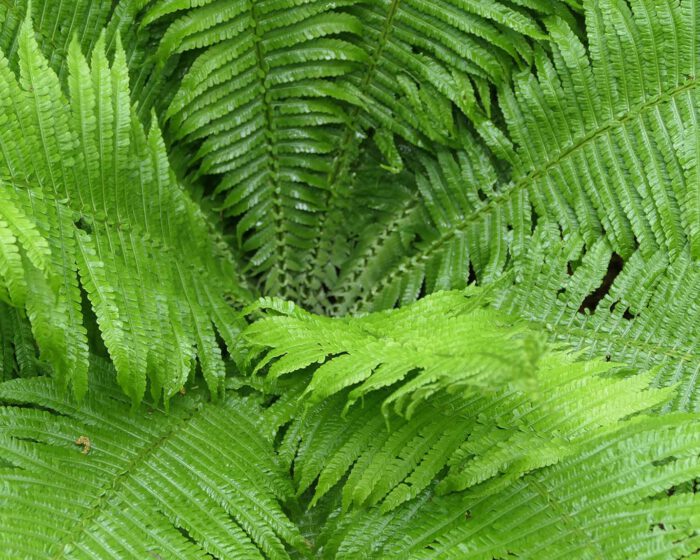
349	279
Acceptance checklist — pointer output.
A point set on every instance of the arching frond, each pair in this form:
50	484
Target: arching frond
261	102
87	193
200	481
450	340
429	61
427	56
606	147
620	496
283	93
479	400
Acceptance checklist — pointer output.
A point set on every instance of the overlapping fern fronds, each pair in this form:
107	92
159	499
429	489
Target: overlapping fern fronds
626	493
606	146
447	390
88	199
196	482
283	93
361	156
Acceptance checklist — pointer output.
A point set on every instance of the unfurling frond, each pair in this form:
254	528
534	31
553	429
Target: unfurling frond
88	199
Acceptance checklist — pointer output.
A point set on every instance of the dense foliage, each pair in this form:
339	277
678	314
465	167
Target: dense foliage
349	279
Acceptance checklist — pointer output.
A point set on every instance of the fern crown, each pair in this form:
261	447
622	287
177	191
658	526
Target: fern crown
349	279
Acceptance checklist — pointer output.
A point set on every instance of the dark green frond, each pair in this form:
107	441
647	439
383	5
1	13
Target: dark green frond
606	147
459	221
261	102
18	351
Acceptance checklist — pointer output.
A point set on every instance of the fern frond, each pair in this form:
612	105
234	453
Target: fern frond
197	482
18	352
100	191
457	227
619	496
283	94
56	23
645	314
606	147
479	400
630	132
614	168
426	59
450	340
261	103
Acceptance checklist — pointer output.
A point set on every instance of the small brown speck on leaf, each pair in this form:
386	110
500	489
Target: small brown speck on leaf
84	441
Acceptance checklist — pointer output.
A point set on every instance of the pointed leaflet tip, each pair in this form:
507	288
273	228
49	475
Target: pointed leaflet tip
120	56
26	26
99	52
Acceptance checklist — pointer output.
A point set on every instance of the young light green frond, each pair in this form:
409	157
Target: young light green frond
620	495
96	481
99	191
449	341
485	400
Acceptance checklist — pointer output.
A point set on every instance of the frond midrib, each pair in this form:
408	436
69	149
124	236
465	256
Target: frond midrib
343	160
351	277
273	163
112	486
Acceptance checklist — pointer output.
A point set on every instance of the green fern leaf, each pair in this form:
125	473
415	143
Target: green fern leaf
480	400
614	498
102	195
197	482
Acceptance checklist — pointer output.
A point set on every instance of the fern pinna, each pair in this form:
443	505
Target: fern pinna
349	279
